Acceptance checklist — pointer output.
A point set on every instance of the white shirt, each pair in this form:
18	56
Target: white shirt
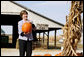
28	36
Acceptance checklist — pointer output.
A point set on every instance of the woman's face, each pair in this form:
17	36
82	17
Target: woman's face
24	16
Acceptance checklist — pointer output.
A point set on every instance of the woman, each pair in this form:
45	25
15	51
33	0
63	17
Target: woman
25	39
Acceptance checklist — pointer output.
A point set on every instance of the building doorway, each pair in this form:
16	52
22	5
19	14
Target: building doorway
10	20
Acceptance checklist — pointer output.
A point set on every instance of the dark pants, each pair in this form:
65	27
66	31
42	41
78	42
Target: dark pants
25	46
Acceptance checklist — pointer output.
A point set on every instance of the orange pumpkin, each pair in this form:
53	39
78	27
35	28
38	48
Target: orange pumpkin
57	55
47	55
27	27
60	53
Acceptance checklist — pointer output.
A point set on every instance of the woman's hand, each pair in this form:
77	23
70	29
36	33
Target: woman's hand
34	28
27	33
22	34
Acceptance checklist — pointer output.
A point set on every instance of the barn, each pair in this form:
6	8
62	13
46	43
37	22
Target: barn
10	13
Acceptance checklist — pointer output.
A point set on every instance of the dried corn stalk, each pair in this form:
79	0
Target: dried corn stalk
72	29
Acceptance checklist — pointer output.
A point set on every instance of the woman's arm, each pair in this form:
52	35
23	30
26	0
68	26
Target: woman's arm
33	27
20	29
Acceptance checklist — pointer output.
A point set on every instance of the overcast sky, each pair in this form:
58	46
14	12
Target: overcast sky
56	10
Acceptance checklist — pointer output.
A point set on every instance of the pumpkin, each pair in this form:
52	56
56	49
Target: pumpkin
47	55
57	55
27	27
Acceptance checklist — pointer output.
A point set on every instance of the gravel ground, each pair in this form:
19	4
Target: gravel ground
15	52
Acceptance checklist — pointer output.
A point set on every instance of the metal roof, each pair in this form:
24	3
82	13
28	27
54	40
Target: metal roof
36	13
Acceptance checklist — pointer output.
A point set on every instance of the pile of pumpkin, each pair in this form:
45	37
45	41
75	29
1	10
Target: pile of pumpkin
49	55
59	54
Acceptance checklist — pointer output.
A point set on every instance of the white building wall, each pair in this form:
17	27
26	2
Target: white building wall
40	20
8	7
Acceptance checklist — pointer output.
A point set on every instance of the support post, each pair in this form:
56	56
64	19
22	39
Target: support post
55	39
48	41
43	37
39	37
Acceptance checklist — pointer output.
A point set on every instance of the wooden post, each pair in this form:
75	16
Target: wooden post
55	39
39	37
43	37
48	40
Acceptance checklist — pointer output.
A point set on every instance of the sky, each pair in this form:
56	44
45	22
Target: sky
55	10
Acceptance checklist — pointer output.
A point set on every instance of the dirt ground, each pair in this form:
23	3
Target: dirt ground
37	51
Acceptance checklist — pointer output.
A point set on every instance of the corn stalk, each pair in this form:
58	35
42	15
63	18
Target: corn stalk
72	29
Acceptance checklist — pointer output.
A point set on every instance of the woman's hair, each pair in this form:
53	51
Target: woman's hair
23	12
